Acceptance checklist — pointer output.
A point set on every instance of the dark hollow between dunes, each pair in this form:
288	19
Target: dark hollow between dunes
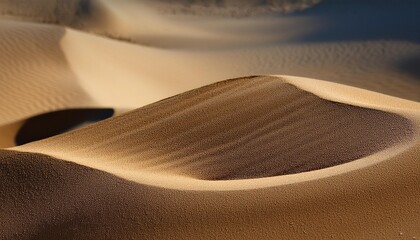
58	122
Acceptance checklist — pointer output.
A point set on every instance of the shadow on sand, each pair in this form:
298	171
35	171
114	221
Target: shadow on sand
54	123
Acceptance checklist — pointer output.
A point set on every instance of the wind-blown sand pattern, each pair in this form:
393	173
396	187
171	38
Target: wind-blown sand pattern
126	119
243	128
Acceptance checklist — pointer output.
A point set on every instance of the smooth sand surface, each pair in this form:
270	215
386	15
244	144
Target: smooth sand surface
187	154
34	72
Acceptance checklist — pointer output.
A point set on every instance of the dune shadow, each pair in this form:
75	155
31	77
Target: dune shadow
54	123
84	8
411	66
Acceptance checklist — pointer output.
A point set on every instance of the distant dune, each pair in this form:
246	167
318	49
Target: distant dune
235	8
67	12
139	119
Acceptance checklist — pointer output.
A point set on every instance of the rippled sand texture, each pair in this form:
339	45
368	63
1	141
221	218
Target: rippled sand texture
167	170
139	119
243	128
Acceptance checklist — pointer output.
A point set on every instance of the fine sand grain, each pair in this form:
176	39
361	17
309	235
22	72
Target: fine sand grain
243	128
164	171
117	121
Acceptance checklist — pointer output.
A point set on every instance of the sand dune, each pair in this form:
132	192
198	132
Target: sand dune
34	64
76	13
162	156
78	62
74	64
244	128
117	121
235	8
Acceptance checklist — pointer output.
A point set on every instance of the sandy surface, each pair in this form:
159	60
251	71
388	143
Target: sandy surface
186	153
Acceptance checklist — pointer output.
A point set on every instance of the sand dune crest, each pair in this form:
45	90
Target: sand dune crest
243	128
113	156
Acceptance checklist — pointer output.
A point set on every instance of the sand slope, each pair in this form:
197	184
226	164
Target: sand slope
59	68
382	56
244	128
260	157
35	76
165	189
